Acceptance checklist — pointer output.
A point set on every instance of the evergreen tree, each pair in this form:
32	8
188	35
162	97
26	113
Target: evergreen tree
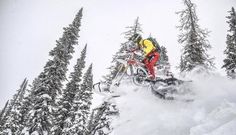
26	106
65	117
181	65
15	123
11	121
114	68
163	63
193	38
82	103
100	119
135	28
49	85
3	112
230	51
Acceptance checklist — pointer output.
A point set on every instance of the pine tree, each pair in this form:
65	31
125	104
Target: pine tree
15	123
134	29
49	85
65	117
193	38
181	65
26	106
100	119
163	63
230	51
3	112
114	68
82	103
11	121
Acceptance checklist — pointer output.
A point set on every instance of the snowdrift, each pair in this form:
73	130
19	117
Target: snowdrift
213	111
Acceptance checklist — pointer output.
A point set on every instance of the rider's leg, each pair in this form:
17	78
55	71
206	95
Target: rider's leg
146	62
150	65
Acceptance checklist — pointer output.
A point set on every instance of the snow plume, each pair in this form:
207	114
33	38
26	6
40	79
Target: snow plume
220	121
213	111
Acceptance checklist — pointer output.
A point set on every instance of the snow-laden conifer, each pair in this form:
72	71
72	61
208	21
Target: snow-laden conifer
230	51
11	121
3	111
100	119
163	63
82	103
193	39
65	115
50	81
2	114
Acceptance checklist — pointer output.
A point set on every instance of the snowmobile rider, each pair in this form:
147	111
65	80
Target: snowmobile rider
150	52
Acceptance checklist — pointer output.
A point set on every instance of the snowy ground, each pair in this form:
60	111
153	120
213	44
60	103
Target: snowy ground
213	111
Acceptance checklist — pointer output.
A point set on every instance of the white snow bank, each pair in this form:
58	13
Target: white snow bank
141	113
211	113
220	121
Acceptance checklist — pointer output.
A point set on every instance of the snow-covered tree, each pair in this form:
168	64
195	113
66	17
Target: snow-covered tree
65	116
163	63
11	120
193	39
26	106
127	45
100	119
15	123
181	65
230	60
49	86
82	103
135	28
3	112
113	69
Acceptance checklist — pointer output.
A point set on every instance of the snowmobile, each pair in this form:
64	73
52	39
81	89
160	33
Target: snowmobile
171	88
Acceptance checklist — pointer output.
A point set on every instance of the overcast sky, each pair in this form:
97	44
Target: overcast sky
29	29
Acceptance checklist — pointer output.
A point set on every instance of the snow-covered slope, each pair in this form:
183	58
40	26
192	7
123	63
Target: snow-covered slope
220	121
213	111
